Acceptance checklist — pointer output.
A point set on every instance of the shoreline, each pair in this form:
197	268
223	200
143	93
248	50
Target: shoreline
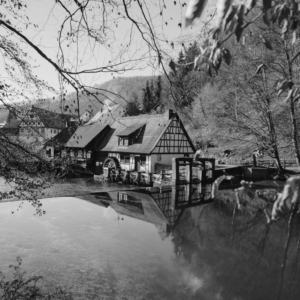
76	187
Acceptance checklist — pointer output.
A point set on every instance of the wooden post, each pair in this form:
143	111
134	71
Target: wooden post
162	173
150	178
138	177
191	171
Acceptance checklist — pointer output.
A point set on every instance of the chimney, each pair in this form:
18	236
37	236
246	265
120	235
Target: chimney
170	114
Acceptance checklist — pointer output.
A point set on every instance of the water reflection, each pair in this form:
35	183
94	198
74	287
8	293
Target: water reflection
204	250
230	255
160	206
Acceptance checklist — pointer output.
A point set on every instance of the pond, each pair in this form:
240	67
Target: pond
151	245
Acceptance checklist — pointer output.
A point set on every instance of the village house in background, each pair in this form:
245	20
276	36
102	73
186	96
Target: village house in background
85	117
39	125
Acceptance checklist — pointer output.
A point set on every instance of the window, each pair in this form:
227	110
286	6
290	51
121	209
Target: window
89	154
123	141
22	130
72	153
31	116
51	130
48	152
124	159
54	130
79	153
158	157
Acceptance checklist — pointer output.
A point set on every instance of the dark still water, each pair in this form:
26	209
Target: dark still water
146	246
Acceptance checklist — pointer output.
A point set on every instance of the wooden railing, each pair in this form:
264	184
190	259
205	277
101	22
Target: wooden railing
272	163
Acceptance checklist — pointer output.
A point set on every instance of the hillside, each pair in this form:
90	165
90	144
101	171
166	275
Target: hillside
119	90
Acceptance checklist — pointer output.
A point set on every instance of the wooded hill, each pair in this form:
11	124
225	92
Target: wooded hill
119	90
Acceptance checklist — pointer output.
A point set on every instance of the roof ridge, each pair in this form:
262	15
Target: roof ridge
142	115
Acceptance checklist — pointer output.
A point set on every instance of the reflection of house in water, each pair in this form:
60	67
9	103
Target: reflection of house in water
163	208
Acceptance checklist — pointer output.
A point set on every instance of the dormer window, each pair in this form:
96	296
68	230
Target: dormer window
123	141
127	136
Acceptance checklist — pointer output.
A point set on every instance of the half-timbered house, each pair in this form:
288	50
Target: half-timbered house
143	143
37	124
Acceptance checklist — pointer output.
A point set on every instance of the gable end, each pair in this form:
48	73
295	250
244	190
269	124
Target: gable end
174	139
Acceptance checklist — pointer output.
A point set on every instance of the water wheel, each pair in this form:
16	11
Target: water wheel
113	166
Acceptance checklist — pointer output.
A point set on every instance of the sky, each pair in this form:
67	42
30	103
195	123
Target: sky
49	16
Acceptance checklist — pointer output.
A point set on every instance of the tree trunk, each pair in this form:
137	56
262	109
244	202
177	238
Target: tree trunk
273	138
294	132
292	113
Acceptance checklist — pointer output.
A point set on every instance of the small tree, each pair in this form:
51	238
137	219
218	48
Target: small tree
132	108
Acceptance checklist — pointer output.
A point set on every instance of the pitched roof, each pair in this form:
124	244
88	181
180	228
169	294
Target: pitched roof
84	135
63	137
130	130
146	139
52	119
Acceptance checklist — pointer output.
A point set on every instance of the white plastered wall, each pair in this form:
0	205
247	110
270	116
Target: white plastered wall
131	165
166	159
